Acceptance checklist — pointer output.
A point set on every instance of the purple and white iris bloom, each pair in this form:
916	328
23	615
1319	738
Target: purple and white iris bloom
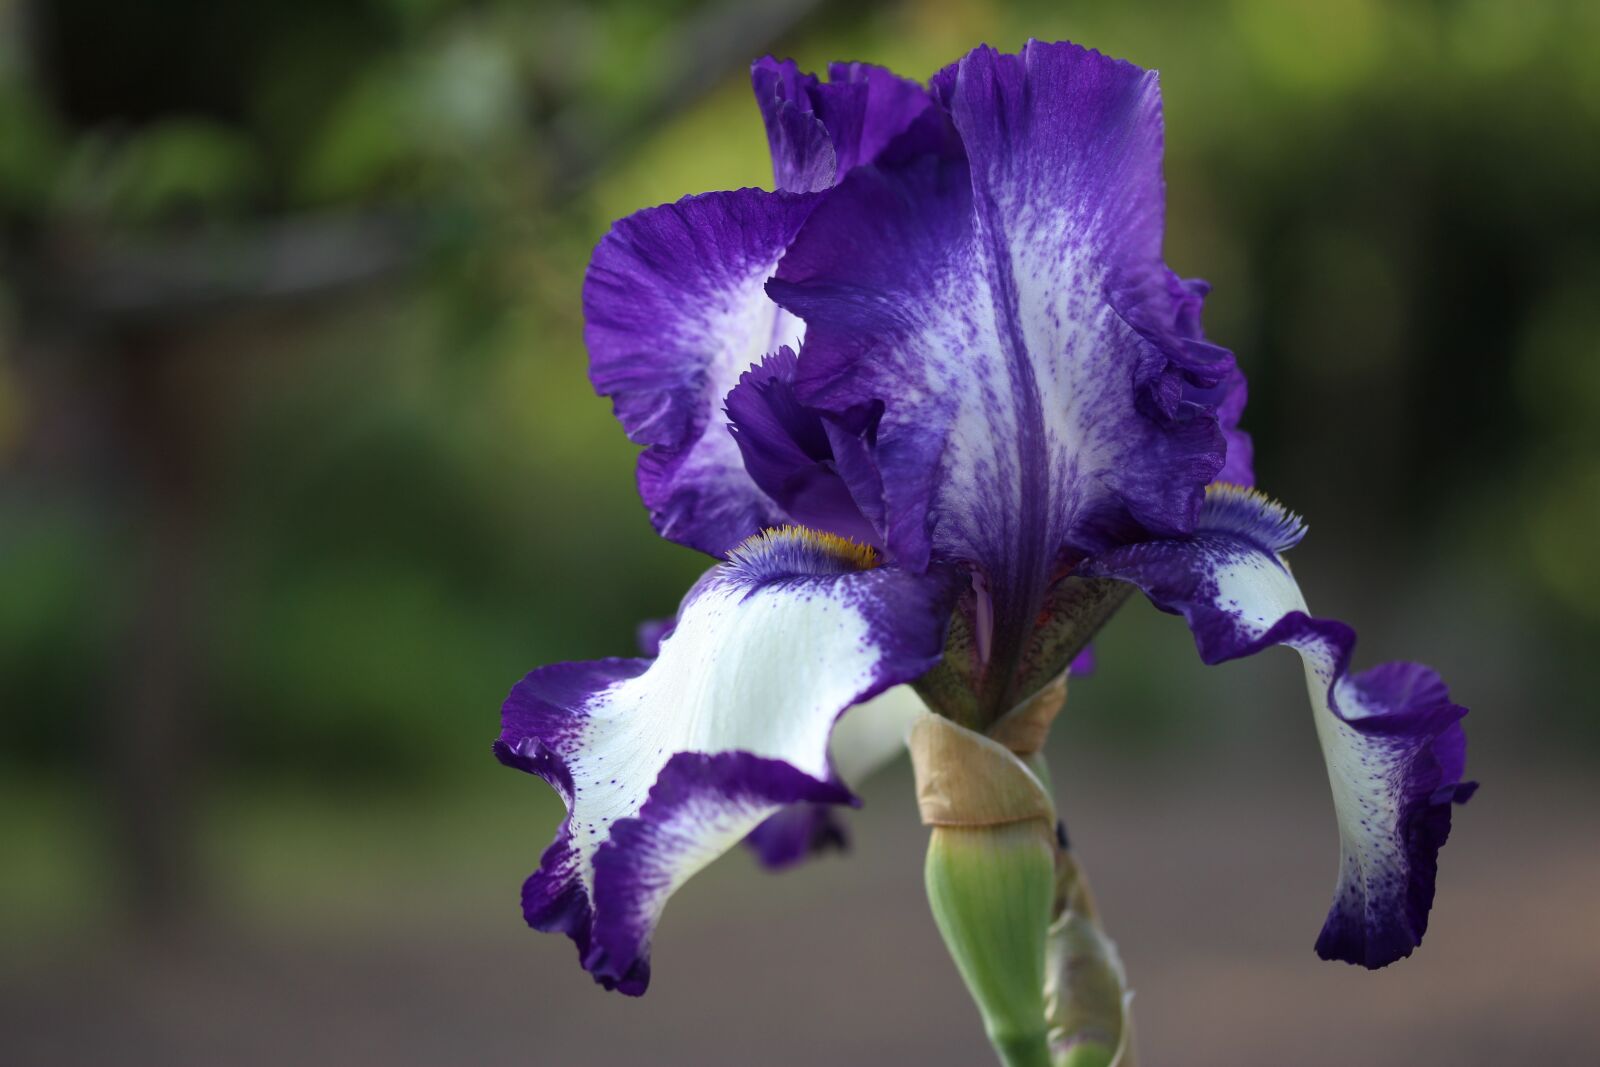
934	402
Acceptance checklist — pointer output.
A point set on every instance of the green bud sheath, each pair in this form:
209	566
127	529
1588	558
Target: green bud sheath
1013	906
991	877
992	890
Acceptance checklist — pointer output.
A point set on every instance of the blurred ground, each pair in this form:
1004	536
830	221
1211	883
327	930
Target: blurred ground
367	945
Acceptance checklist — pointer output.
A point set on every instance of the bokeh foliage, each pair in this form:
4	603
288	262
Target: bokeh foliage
412	497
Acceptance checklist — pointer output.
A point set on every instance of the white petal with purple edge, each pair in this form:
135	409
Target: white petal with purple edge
664	765
1390	735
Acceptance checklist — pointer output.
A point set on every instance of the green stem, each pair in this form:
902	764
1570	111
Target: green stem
1021	1050
1088	1055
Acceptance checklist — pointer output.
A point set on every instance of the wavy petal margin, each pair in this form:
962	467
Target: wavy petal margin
665	764
818	130
1391	736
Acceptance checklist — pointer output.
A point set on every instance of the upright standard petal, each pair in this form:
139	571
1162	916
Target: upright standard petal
665	764
1391	736
675	312
1008	309
675	308
817	130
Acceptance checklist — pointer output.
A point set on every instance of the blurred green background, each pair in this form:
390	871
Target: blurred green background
300	470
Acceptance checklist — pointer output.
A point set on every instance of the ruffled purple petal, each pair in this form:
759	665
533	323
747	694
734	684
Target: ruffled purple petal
675	312
665	764
1226	396
818	130
1170	316
803	159
1005	311
1240	466
816	466
880	107
674	303
1391	736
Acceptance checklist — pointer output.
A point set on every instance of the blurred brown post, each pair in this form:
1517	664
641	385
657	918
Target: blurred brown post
123	354
156	690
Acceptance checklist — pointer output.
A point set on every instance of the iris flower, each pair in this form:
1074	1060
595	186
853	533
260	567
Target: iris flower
936	405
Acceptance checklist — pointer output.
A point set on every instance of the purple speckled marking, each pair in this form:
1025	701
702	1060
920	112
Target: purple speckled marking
1011	310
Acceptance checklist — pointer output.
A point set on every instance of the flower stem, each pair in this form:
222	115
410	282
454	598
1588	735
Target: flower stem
1021	1050
1009	900
1091	1055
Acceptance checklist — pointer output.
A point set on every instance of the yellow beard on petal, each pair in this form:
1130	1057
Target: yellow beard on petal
821	552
